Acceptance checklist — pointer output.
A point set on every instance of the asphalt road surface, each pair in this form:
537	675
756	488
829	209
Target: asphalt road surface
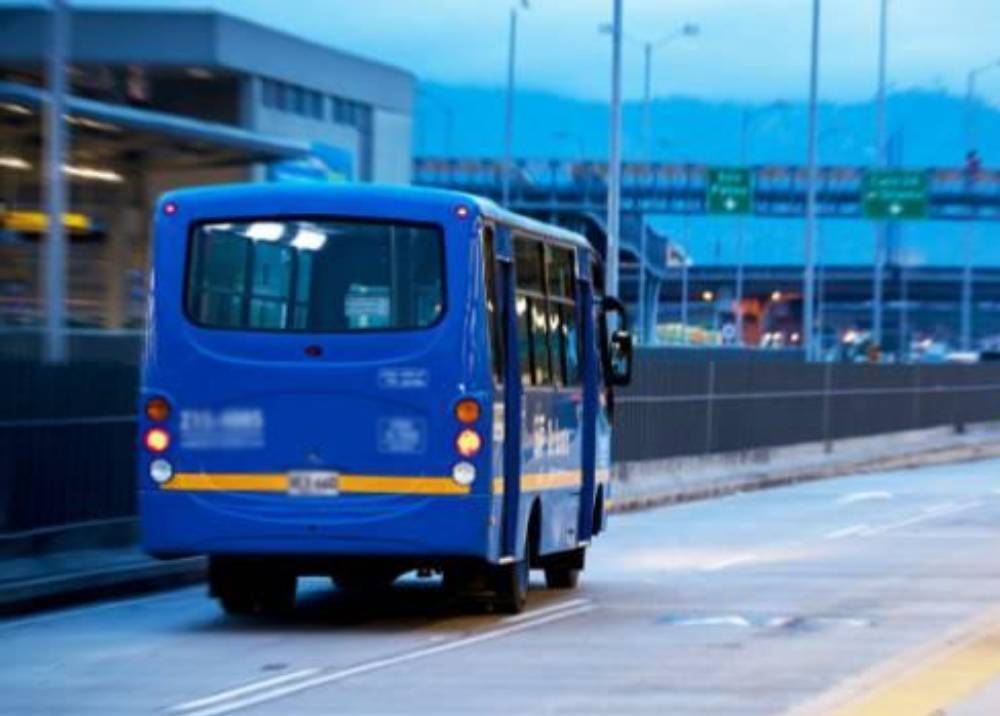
873	594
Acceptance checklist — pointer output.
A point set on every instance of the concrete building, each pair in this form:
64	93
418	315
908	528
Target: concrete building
160	99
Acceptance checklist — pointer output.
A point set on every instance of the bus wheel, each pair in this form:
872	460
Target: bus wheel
243	590
563	572
511	586
275	593
229	583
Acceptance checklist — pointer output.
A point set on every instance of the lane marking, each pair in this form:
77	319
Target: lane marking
846	532
253	694
727	563
864	497
240	691
929	514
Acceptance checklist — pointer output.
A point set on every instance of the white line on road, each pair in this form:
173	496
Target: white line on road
727	563
864	497
847	532
242	690
929	514
226	702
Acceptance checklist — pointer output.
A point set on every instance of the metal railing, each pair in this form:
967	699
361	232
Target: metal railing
674	409
67	433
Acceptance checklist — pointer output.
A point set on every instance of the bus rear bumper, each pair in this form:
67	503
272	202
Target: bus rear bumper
190	523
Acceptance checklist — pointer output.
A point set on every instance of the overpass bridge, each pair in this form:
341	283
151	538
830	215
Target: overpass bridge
573	194
558	185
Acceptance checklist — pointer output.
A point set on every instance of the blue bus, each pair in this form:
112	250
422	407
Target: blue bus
360	381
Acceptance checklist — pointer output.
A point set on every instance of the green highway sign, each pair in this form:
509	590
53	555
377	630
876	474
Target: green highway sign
894	194
728	191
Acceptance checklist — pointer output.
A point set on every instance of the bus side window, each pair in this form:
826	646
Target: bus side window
563	337
532	312
493	317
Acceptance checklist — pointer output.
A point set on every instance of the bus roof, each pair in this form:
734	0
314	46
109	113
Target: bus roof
367	193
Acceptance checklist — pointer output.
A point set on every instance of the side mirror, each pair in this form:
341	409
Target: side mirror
618	354
621	358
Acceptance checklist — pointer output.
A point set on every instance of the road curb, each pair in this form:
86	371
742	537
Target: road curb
754	480
89	585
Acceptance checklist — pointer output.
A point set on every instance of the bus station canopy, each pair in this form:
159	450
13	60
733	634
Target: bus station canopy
116	132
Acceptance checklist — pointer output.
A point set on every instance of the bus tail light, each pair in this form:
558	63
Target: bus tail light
467	411
157	440
468	443
157	409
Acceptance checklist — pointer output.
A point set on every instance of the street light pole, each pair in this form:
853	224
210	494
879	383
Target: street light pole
508	133
54	255
880	145
809	270
968	231
614	154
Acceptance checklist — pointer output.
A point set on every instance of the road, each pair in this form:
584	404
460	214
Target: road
873	594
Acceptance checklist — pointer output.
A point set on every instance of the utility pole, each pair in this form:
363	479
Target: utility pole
54	255
882	159
809	270
614	155
508	127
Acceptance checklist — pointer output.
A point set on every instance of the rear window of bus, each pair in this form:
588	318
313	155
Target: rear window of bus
323	276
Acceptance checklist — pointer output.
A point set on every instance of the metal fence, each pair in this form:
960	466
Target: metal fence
67	437
67	433
674	409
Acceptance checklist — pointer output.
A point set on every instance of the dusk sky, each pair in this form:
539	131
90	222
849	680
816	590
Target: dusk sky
747	50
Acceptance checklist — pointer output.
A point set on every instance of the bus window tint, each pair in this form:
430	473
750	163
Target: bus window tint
560	279
540	351
529	268
528	258
316	276
524	340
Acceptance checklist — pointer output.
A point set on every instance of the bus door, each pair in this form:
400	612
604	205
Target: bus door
507	382
591	404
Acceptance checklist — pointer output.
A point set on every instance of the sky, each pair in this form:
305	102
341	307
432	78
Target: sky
747	50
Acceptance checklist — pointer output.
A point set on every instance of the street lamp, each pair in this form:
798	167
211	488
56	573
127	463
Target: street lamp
809	271
54	254
508	133
686	30
883	161
969	229
747	118
614	152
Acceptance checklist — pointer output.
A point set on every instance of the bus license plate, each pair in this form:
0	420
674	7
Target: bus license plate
304	483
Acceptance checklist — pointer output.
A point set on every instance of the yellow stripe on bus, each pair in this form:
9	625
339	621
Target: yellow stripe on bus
537	481
278	482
